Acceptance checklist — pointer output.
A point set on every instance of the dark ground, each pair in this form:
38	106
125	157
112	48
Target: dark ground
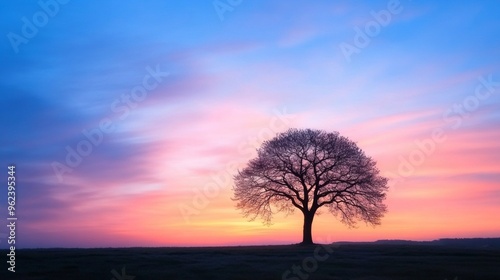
348	261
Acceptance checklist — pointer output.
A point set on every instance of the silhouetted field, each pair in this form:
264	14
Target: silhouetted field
346	261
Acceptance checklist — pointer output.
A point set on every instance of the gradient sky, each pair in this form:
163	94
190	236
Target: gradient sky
419	91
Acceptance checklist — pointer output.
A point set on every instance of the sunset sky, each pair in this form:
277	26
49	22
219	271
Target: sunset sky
127	121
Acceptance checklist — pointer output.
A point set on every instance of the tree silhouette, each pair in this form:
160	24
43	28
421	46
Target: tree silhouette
308	169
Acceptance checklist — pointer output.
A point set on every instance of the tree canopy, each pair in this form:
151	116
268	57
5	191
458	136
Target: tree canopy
307	169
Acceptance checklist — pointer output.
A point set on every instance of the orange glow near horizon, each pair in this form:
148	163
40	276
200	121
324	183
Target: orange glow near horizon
439	200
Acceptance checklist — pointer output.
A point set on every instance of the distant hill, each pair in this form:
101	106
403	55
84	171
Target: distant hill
470	242
478	243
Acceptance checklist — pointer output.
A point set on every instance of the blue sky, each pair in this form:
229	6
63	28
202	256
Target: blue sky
221	78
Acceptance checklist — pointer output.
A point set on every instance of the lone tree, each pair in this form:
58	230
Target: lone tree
308	169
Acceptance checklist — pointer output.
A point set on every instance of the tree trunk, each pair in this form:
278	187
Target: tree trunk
307	230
